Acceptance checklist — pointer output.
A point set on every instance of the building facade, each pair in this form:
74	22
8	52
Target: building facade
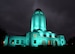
38	34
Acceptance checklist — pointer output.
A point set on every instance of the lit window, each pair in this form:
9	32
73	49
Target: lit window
49	42
12	42
34	35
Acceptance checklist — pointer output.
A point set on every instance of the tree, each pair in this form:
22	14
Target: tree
71	41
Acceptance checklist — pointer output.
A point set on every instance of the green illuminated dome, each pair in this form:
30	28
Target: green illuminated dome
38	21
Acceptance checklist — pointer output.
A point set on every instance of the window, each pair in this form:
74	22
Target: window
50	36
12	41
55	36
62	41
21	41
44	35
17	41
34	41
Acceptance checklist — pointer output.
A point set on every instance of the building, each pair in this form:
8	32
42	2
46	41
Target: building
38	34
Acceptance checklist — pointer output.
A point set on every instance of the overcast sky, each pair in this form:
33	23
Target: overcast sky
15	16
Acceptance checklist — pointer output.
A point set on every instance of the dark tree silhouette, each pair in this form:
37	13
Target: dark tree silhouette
71	42
2	35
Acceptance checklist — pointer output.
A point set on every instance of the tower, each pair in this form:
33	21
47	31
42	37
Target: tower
38	21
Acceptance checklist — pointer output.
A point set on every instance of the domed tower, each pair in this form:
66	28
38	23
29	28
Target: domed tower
38	21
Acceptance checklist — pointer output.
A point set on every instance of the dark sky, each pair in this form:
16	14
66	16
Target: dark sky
15	16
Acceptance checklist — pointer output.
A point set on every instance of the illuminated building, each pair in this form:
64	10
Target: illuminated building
38	34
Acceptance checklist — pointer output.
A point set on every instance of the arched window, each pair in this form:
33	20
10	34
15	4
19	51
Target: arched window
21	41
50	36
17	41
35	41
44	35
12	41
